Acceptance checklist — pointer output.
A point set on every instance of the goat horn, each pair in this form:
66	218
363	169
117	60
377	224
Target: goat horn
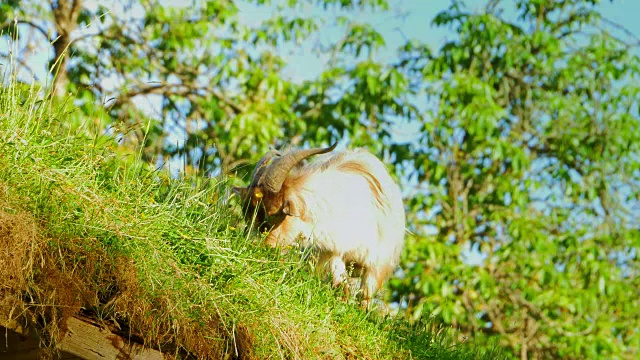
261	166
279	169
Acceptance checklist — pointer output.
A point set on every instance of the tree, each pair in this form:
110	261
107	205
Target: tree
218	83
65	18
530	161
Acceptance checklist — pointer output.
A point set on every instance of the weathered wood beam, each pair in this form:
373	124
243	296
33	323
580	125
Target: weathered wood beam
84	339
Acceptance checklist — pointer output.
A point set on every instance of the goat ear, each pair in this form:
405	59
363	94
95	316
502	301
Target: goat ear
293	207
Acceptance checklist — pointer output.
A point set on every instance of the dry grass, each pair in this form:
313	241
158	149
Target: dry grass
45	284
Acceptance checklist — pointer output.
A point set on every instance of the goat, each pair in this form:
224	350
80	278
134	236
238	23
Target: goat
346	206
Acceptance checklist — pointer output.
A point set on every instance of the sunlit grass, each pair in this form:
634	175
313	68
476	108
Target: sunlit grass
167	259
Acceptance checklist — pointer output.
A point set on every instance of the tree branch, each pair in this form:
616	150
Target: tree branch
33	25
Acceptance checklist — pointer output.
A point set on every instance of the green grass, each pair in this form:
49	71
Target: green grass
162	259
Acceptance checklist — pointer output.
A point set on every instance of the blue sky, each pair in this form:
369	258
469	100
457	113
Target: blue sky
407	19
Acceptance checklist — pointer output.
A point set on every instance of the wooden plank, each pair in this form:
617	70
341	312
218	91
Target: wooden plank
83	340
89	341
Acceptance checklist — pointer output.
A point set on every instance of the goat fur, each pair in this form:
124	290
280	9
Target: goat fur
347	207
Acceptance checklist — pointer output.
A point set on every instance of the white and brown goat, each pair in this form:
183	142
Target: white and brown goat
345	206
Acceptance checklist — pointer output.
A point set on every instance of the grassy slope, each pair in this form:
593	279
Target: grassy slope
161	258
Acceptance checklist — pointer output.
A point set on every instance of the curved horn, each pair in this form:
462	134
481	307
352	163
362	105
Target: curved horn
261	166
279	169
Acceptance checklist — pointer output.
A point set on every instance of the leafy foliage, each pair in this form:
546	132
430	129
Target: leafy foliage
531	160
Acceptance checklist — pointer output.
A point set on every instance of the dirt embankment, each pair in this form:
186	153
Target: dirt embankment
47	285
